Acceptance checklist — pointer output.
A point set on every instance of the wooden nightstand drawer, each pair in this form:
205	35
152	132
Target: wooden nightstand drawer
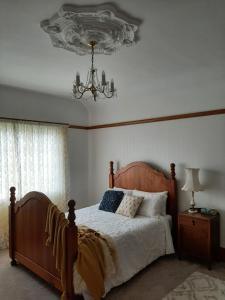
198	236
194	222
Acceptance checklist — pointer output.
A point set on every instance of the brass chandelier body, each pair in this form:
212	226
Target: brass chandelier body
93	85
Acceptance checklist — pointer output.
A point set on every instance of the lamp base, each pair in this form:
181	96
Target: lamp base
193	210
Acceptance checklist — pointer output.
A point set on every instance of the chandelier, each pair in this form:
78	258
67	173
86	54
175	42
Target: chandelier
93	84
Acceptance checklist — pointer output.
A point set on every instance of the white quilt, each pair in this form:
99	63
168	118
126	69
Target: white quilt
138	241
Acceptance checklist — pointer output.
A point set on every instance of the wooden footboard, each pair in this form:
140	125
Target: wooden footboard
27	238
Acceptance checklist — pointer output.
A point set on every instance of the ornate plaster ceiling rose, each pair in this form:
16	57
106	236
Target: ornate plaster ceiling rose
73	27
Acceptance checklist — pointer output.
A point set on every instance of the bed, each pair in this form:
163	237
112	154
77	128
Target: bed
27	236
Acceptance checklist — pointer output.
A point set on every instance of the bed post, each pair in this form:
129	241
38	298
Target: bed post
111	175
71	250
12	225
174	196
172	170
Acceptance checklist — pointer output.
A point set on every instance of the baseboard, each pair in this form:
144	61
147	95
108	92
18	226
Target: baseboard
222	254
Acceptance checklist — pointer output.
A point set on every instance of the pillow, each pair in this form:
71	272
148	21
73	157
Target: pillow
129	206
111	200
128	192
154	204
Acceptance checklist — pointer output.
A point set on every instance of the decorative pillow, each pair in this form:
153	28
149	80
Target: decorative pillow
111	200
129	206
154	204
128	192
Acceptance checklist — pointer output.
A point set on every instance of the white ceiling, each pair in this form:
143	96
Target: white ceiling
182	44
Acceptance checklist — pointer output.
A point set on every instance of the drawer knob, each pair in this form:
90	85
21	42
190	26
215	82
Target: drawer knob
193	222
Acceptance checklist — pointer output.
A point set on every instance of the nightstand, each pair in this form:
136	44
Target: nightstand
198	236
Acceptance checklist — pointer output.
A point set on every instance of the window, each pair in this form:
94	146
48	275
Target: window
32	157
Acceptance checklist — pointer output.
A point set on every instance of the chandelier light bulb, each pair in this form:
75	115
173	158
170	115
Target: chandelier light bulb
103	78
77	79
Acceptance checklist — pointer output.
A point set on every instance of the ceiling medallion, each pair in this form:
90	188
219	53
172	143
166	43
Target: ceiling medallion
74	26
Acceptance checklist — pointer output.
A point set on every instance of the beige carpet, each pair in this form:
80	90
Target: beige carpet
199	286
153	283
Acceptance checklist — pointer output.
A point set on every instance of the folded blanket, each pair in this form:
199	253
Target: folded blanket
96	259
55	227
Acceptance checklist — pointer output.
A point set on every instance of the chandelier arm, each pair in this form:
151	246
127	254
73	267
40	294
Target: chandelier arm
80	89
103	90
81	93
98	89
79	97
107	95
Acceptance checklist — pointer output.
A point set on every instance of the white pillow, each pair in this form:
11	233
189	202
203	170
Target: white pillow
154	204
127	192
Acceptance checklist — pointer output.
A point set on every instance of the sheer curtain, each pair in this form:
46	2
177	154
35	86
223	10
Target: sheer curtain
33	156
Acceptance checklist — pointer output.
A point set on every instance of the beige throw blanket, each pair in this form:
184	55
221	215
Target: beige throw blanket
96	259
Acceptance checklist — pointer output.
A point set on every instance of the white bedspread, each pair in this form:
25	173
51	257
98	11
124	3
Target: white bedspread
138	241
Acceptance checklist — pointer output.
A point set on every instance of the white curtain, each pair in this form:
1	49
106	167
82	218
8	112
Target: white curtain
33	157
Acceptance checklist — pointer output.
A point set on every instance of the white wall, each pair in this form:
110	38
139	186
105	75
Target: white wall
19	103
177	67
197	142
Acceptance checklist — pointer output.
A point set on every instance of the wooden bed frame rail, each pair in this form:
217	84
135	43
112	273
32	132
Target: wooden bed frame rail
27	239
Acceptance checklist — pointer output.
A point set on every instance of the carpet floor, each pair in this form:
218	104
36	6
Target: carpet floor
152	283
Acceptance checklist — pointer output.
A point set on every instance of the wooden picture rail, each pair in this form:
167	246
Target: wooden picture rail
133	122
160	119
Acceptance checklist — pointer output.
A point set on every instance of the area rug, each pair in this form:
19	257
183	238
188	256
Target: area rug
198	286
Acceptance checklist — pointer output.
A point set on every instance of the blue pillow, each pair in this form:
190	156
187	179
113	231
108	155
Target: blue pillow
111	200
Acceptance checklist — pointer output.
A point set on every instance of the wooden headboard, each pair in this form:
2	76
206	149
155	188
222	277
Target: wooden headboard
141	176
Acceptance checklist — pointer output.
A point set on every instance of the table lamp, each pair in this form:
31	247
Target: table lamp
192	184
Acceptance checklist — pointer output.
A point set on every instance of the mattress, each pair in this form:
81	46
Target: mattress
138	241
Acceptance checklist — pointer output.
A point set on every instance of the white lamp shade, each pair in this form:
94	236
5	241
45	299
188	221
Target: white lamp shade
192	180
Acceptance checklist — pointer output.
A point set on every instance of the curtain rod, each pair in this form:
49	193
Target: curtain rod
34	121
45	122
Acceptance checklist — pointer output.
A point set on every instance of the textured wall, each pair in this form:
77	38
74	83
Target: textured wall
198	142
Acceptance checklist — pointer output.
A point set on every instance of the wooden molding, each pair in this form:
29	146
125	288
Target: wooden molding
132	122
79	127
162	119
